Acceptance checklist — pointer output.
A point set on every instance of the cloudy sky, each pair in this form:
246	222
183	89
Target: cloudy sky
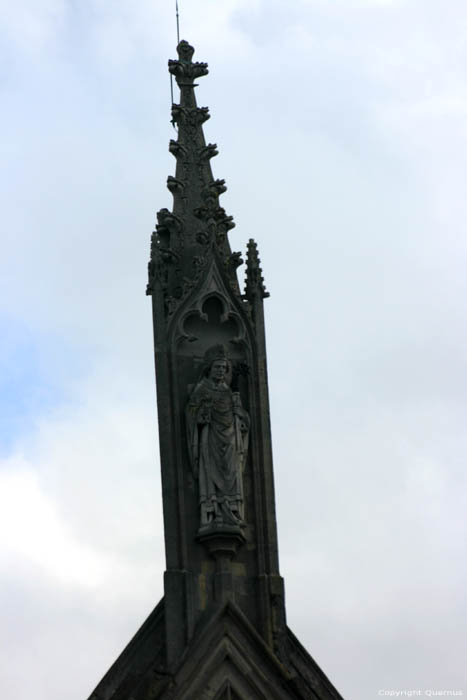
342	132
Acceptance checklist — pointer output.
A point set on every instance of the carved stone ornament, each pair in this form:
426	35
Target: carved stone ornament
220	632
217	429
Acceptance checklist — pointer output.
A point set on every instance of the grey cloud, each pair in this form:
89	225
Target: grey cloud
350	192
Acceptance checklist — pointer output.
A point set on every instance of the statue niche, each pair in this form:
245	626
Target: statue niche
217	430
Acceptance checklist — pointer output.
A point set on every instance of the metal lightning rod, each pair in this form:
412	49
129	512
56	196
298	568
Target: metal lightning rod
178	41
178	25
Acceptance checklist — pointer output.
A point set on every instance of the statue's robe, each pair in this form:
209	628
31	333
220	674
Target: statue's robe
218	441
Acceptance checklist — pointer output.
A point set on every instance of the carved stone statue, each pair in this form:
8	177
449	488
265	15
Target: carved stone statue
218	428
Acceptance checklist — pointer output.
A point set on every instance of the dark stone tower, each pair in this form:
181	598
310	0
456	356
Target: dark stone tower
220	631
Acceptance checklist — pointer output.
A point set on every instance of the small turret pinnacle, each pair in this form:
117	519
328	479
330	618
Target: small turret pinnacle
254	282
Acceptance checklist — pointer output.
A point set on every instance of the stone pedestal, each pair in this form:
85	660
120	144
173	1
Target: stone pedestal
222	543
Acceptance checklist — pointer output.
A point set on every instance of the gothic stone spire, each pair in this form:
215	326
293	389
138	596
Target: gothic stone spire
196	229
220	527
220	630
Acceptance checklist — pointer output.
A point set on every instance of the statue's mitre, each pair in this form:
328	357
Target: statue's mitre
215	352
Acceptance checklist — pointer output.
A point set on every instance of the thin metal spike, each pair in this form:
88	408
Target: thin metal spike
178	23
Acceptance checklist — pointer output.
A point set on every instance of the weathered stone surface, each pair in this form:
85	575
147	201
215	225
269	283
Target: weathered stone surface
217	430
226	655
220	633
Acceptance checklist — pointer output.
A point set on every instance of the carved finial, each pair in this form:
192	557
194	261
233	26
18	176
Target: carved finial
254	282
185	51
184	70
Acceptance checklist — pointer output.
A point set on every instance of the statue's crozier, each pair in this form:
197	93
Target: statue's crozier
218	427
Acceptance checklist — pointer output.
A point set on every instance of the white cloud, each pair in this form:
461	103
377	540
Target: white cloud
32	25
342	139
32	529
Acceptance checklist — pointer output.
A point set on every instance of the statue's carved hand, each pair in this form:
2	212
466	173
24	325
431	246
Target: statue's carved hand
204	417
237	403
